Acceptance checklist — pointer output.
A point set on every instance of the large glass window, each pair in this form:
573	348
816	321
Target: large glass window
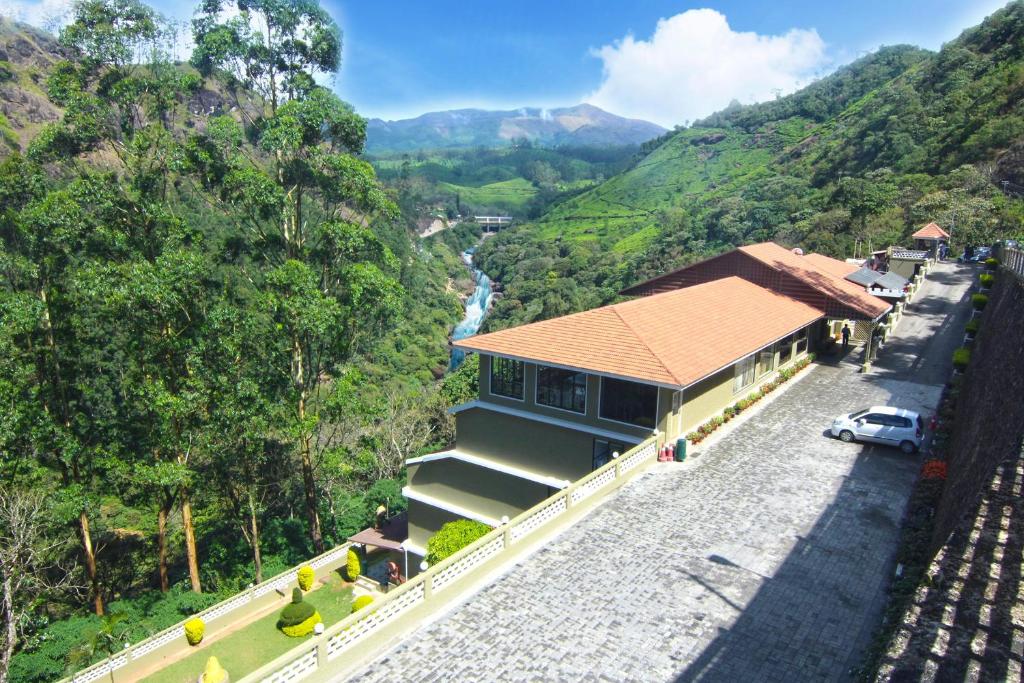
801	340
744	374
507	377
565	389
766	360
629	402
785	350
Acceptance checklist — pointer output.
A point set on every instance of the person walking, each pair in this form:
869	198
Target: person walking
846	337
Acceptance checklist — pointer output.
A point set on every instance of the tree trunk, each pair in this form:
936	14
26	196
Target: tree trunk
9	628
254	530
90	562
190	540
305	448
161	540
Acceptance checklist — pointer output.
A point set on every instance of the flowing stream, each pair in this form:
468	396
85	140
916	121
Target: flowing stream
476	308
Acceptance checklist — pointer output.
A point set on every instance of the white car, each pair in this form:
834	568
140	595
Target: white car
881	424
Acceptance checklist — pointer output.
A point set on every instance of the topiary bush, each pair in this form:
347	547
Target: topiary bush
354	566
961	358
298	618
979	301
305	577
453	537
214	672
986	279
972	326
194	630
361	602
991	263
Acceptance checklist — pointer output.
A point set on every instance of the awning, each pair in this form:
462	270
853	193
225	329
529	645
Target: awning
390	535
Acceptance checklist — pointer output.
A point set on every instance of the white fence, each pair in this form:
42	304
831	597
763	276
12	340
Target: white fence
315	654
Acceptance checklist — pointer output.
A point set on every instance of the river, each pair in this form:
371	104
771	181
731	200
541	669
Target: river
476	308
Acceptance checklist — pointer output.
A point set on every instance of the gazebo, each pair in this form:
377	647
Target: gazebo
929	238
389	537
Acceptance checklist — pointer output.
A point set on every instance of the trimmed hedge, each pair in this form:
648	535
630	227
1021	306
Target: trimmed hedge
361	602
986	279
991	263
453	537
305	577
303	628
972	326
354	566
297	612
979	301
194	631
961	359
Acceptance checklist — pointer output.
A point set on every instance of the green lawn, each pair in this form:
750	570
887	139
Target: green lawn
260	642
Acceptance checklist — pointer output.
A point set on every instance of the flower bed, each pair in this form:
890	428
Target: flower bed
704	431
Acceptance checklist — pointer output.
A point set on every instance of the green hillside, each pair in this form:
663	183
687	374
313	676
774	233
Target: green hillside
856	160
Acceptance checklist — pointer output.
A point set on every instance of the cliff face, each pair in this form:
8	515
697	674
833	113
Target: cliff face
990	411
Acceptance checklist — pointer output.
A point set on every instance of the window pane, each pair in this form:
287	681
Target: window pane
744	370
629	402
767	360
565	389
801	341
507	377
785	350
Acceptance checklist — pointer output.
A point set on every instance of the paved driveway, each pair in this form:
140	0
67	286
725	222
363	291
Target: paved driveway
765	560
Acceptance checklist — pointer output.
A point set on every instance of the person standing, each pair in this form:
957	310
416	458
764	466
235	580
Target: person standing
846	337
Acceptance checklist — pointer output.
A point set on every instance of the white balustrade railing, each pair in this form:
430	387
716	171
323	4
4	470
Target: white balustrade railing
339	638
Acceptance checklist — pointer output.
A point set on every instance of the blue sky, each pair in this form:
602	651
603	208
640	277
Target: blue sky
668	61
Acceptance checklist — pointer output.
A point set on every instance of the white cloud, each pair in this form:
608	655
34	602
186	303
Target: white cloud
695	64
45	14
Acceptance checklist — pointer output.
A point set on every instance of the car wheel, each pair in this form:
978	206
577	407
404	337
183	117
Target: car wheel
846	435
907	447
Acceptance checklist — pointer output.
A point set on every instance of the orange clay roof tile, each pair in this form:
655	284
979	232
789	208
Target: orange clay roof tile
674	339
931	231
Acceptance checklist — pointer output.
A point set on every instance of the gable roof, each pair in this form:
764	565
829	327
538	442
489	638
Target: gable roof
830	265
864	276
931	231
812	274
671	339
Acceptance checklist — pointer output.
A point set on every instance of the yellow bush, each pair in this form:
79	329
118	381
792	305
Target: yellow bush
194	630
304	628
354	567
214	672
361	602
306	577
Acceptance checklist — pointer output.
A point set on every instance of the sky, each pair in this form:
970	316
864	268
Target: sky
666	61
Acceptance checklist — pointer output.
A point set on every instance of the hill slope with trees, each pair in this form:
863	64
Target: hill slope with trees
852	162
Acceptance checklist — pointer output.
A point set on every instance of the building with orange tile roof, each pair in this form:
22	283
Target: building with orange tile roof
929	238
559	397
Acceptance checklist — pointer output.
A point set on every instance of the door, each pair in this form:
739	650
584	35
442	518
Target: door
871	426
603	452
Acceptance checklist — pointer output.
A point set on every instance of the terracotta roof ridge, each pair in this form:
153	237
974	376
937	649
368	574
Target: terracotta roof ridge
640	339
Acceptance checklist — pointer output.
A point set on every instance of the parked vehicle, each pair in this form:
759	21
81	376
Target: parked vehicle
881	424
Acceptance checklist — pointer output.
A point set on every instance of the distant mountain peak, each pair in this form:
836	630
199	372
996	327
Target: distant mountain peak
582	124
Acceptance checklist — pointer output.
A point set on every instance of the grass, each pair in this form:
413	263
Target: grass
509	194
260	642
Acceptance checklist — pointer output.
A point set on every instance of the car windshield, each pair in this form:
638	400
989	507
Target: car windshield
859	414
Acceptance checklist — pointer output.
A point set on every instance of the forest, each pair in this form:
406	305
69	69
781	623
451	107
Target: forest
219	337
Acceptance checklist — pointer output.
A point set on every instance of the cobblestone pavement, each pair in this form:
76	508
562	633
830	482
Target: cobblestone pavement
766	560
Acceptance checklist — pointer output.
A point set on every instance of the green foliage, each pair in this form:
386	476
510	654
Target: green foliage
305	577
361	602
304	627
353	565
991	264
961	358
979	301
973	325
296	612
986	279
194	630
453	537
463	384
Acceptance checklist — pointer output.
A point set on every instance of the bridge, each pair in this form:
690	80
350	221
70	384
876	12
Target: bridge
493	223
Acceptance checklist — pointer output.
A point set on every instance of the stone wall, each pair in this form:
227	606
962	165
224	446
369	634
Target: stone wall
989	422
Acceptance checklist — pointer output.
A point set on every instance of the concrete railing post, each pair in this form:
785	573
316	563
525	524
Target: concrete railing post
321	653
427	587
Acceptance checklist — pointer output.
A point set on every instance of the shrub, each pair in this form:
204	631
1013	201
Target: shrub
694	437
453	537
305	578
717	421
194	630
214	672
754	397
303	628
298	618
730	411
353	567
972	326
361	602
738	407
979	301
991	263
987	279
961	358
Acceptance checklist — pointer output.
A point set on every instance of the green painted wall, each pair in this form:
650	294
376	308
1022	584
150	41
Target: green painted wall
424	521
485	491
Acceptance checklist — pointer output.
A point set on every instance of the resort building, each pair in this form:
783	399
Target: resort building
929	238
559	397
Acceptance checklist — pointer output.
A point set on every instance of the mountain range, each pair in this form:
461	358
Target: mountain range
581	125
